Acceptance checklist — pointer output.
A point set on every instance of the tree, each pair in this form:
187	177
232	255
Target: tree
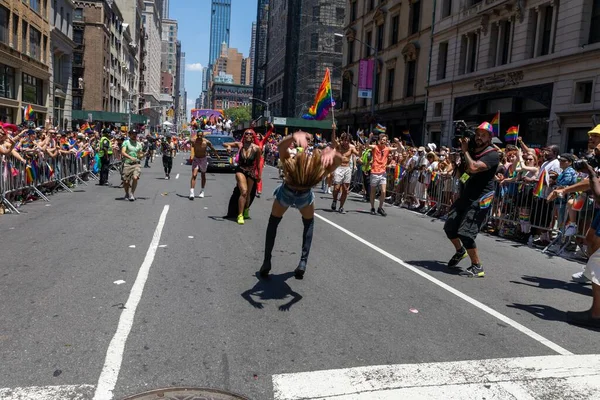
239	115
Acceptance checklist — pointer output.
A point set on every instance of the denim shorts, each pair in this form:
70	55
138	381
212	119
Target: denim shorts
293	198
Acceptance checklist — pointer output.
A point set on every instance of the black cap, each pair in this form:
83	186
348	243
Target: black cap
567	156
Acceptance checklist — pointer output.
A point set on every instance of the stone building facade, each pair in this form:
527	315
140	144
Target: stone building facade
401	33
24	59
535	61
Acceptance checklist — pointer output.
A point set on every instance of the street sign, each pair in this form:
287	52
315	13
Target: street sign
364	94
279	121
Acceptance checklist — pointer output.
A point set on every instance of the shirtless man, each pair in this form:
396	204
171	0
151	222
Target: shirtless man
199	161
342	176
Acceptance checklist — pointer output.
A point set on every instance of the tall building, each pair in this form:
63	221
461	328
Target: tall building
151	16
229	62
246	68
132	15
401	33
301	45
219	28
534	61
100	59
259	57
165	9
181	86
24	60
61	73
251	54
169	57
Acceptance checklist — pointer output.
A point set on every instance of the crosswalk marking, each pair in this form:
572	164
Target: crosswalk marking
557	377
71	392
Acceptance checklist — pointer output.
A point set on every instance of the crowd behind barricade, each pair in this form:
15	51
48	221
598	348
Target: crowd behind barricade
35	162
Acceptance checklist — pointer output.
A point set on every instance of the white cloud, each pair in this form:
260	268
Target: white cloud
194	67
191	103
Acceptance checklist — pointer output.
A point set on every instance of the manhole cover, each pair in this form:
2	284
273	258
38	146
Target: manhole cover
186	393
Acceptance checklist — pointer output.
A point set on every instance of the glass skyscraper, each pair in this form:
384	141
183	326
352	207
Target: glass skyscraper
219	27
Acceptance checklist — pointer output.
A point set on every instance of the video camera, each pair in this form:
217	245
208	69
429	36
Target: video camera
462	130
592	159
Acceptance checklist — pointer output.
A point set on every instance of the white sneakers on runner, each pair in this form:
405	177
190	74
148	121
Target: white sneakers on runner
201	195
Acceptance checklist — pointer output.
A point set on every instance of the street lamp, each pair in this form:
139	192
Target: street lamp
374	49
264	102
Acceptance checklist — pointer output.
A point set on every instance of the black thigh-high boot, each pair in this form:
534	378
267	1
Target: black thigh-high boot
307	236
269	244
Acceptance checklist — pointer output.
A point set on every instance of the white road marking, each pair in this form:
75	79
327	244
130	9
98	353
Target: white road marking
114	354
557	377
72	392
190	237
132	246
119	282
177	176
162	246
468	299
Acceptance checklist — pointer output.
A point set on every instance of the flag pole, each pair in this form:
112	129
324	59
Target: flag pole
331	97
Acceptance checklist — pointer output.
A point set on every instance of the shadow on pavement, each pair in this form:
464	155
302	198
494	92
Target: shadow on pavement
272	288
547	313
434	265
548	283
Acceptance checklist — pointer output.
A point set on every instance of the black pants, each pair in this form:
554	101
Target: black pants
104	168
168	164
367	183
464	223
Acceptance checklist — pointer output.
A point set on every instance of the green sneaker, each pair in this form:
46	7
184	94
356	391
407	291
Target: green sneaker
457	257
474	271
246	213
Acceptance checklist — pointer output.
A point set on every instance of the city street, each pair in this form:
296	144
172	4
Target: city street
103	297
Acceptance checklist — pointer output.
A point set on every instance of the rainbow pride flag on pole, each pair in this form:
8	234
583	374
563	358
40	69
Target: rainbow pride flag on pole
512	134
380	128
28	114
539	188
496	124
486	200
323	100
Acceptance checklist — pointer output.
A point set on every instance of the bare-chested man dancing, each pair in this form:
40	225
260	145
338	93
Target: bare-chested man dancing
199	161
342	176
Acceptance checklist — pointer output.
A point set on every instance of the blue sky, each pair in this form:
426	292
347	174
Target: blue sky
193	17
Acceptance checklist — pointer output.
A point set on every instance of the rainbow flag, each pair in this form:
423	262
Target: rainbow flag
319	136
434	176
380	128
28	175
29	114
323	100
512	134
486	200
397	172
84	127
539	188
496	124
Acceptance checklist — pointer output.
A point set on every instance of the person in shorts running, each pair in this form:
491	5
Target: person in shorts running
200	161
380	152
342	176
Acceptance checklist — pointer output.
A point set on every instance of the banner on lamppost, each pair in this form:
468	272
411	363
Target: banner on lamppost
365	79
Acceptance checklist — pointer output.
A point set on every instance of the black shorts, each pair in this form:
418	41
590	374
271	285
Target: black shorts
465	222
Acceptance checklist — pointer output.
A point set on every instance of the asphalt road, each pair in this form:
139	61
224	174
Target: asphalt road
375	293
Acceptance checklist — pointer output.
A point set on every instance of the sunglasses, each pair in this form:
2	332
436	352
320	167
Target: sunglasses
529	159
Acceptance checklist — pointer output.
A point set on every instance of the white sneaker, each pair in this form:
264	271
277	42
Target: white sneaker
191	194
579	278
201	195
166	178
329	191
571	230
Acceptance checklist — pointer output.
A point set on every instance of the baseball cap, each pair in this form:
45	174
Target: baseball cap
486	126
566	156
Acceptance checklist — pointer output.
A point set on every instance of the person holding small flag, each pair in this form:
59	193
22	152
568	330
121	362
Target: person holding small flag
468	213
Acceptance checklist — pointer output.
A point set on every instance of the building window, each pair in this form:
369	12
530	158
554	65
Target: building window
77	103
15	39
353	11
411	71
314	41
391	76
24	37
77	14
380	34
468	53
350	52
7	82
442	61
415	17
340	14
395	29
78	36
437	109
35	5
32	90
4	15
595	27
316	13
368	38
371	5
583	92
312	67
337	44
446	8
541	36
501	43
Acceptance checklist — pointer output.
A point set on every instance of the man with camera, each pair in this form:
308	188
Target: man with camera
468	213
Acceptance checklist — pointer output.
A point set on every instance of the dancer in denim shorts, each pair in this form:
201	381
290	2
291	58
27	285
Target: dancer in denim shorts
301	173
